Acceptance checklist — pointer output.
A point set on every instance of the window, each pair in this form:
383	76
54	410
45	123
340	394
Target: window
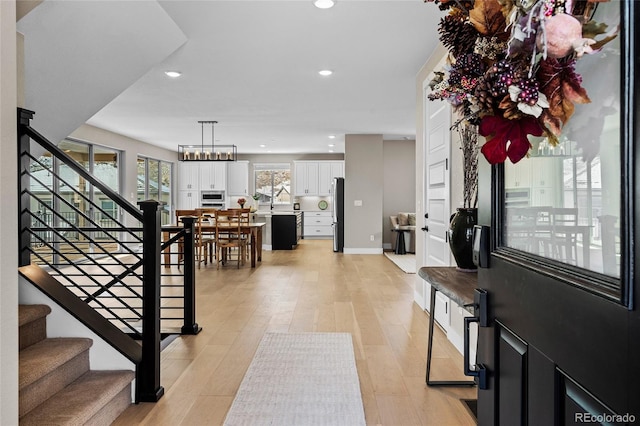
154	183
564	204
77	203
273	183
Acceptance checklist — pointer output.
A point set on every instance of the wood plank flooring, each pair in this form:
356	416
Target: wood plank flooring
304	290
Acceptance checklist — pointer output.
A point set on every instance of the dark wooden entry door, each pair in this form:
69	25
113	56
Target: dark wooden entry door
563	342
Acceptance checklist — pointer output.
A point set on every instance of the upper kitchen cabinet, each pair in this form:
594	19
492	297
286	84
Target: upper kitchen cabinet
327	170
238	178
213	175
315	177
188	176
306	178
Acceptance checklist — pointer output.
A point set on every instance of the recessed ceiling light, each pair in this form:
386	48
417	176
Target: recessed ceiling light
263	146
173	74
324	4
325	73
330	150
332	136
331	145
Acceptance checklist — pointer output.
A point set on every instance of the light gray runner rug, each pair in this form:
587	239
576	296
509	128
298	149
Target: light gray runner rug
406	262
300	379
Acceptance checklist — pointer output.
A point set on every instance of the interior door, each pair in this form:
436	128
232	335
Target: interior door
437	149
562	345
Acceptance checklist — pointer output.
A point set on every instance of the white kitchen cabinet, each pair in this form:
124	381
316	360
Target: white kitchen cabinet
327	170
306	178
188	176
318	224
238	178
519	175
188	199
213	175
546	178
315	177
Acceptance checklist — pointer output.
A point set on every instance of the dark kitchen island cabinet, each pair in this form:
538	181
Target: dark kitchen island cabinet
286	230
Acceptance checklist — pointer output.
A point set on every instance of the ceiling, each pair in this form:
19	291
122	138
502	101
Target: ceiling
253	67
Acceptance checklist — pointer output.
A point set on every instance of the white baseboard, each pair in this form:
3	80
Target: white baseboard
377	250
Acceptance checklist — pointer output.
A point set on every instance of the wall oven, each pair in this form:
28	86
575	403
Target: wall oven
212	199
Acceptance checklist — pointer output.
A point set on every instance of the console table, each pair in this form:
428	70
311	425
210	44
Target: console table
457	286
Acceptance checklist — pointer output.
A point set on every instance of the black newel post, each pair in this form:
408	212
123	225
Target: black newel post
190	326
148	372
24	220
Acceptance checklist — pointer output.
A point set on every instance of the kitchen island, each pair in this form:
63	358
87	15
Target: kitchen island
283	230
286	230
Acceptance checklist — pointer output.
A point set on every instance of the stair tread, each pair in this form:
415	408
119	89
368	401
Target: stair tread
43	357
28	313
81	400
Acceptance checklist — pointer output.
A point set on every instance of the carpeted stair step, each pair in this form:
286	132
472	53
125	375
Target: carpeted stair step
96	398
32	322
48	366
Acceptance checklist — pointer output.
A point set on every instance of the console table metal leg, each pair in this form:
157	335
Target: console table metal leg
432	307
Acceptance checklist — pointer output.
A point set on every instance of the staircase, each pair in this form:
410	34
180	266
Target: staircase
56	385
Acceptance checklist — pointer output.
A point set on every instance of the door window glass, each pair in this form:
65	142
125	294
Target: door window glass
564	202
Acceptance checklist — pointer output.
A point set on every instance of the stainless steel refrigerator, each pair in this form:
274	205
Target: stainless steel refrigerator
337	207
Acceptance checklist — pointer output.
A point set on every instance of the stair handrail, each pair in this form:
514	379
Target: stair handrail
147	362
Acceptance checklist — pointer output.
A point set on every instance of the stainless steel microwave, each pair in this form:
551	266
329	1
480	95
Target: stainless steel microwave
212	197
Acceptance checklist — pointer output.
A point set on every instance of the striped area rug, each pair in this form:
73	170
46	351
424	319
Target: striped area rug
300	379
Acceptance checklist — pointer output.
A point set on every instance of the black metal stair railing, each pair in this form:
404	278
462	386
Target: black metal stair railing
108	259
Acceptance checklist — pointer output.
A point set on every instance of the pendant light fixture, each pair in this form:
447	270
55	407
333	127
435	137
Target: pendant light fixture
210	152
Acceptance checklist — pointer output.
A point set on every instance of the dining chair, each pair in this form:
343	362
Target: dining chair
565	235
204	241
229	236
208	215
201	244
245	217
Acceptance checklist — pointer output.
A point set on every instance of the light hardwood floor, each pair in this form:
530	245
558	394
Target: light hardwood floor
304	290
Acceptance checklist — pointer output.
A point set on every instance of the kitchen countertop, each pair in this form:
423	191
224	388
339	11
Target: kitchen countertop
272	212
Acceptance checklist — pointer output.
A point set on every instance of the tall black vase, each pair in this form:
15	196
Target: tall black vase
461	237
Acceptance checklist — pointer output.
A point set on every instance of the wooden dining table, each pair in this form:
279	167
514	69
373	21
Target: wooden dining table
253	229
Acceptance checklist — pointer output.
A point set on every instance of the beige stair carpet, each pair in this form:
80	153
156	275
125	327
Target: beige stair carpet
300	379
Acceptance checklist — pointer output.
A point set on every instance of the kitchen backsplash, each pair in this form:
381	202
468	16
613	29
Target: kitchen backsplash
306	203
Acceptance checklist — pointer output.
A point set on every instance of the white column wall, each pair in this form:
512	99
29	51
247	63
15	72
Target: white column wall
8	217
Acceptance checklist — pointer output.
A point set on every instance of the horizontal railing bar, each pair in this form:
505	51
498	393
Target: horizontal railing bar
58	153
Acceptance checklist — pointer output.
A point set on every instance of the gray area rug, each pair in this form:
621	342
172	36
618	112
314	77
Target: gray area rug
406	262
300	379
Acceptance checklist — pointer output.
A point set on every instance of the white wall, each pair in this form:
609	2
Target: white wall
8	217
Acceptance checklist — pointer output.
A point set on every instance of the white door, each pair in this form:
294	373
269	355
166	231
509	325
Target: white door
437	209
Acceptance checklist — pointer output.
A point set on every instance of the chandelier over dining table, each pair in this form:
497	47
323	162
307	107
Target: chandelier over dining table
207	152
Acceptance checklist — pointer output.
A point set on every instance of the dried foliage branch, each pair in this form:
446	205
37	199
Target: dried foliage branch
469	146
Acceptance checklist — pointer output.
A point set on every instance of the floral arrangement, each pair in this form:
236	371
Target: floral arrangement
511	67
242	201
